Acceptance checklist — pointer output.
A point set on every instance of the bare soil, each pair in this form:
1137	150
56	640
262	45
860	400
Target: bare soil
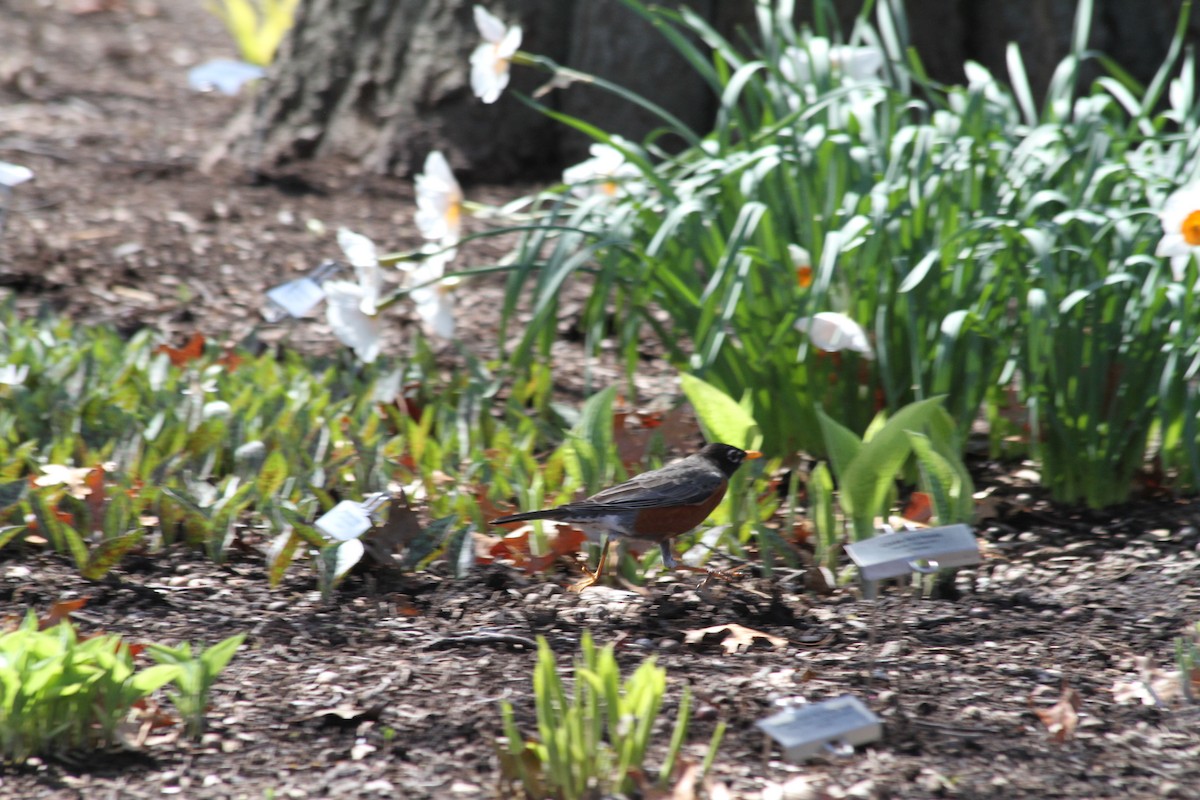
392	690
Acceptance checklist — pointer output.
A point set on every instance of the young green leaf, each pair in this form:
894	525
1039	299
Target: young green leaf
721	417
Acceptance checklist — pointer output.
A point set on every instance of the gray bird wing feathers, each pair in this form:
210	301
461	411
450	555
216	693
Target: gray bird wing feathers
655	490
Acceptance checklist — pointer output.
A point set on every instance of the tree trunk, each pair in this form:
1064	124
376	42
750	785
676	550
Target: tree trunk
386	81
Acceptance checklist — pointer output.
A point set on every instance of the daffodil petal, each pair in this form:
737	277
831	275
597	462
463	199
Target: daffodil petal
353	328
489	25
831	331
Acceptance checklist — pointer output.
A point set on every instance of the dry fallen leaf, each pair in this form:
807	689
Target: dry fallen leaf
733	637
563	540
1152	687
181	356
402	528
348	715
1062	717
60	611
682	784
675	427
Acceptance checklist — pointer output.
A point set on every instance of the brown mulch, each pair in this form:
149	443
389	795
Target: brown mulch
392	690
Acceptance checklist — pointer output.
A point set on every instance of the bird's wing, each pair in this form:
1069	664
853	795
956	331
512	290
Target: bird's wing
654	490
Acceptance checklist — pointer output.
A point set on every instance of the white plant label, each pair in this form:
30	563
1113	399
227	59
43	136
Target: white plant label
891	555
294	298
347	520
808	730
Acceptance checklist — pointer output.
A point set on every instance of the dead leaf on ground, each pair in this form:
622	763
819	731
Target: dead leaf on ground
563	540
182	356
683	782
60	611
57	613
401	529
1153	686
675	427
346	715
1061	718
733	637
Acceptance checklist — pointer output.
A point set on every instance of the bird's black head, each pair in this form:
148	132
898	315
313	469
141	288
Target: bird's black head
727	457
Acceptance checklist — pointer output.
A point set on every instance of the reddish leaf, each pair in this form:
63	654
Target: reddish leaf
151	714
230	360
60	611
515	547
1062	717
182	356
634	433
487	508
96	499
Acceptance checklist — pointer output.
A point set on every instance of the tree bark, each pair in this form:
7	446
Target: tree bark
385	82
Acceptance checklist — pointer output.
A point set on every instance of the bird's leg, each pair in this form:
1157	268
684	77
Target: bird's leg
592	577
668	559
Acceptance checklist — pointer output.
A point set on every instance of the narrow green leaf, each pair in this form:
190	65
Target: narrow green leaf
109	552
272	475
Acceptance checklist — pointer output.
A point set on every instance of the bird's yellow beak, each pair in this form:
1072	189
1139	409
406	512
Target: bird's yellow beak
753	454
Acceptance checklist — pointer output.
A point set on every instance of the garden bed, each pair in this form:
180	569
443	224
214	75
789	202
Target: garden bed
393	688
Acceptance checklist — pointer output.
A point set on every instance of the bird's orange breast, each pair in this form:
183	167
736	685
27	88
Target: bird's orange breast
660	523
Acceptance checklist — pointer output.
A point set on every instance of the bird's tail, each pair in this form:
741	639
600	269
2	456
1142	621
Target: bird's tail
549	513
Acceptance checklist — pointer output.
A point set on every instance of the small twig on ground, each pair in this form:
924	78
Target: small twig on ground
481	638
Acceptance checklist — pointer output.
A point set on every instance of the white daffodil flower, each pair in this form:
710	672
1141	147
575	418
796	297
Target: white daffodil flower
606	172
1181	228
853	64
74	478
13	374
363	256
351	309
832	332
491	59
434	303
353	328
439	201
802	263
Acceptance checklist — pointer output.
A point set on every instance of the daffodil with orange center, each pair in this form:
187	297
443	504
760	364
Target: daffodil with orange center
491	59
1181	228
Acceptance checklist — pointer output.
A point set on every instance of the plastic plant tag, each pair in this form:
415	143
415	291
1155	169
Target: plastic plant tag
14	174
293	299
297	297
224	75
831	726
927	550
347	520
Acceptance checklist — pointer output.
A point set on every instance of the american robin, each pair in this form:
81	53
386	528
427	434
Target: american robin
655	506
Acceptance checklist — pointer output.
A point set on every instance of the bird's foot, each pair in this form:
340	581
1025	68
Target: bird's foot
591	577
709	574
